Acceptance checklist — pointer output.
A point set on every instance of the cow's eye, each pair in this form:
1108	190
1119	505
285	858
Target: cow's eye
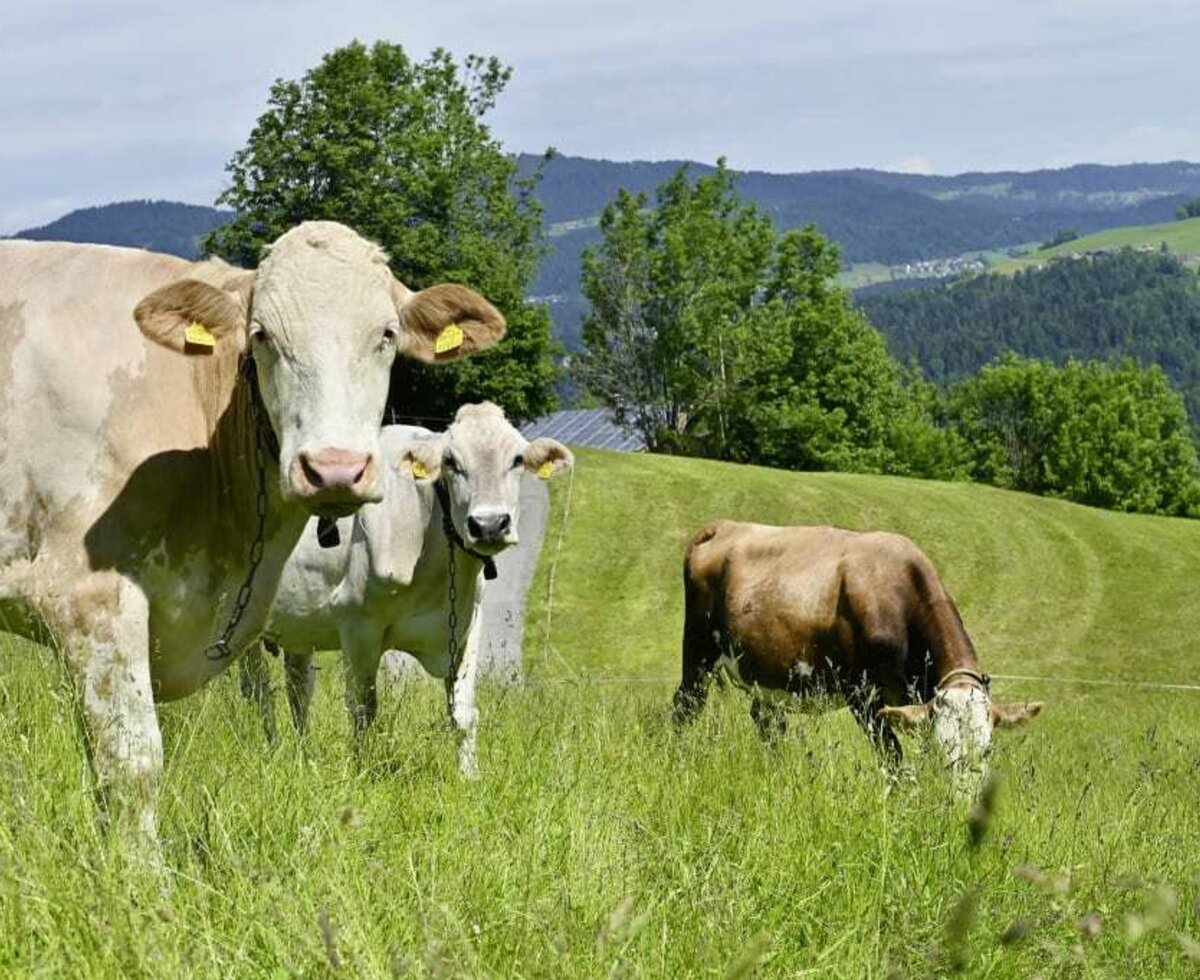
388	340
518	462
451	464
258	336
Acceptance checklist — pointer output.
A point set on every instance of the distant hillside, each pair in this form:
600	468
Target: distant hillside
886	217
160	226
874	216
1180	238
1125	304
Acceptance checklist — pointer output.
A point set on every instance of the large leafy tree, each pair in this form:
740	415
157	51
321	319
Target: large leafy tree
712	334
398	150
1113	436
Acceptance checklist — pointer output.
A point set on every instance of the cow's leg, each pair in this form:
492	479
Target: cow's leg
362	646
106	640
701	650
770	717
460	693
301	677
864	704
254	680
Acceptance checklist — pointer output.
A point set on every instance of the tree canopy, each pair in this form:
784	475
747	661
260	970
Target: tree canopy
713	334
1144	305
1113	436
398	150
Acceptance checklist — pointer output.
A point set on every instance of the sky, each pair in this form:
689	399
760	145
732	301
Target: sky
105	100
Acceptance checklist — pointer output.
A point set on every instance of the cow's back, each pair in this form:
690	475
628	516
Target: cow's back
788	593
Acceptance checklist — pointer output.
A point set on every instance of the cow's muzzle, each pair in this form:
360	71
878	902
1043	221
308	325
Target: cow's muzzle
335	482
491	530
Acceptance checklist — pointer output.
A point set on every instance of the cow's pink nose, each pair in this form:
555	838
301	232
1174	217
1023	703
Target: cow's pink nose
336	469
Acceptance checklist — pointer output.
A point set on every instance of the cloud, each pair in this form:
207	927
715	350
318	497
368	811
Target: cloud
140	98
911	165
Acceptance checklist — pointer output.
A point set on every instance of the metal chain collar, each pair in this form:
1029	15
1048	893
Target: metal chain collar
220	649
452	622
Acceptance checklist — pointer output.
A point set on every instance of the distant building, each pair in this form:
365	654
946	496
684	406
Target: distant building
585	427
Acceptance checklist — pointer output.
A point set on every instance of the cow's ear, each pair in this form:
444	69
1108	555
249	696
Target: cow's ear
422	459
545	457
1011	715
446	322
906	715
192	317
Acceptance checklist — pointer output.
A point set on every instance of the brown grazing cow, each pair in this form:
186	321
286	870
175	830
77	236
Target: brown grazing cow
793	612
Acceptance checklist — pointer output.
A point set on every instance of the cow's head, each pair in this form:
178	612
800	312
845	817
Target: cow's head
963	716
481	460
323	318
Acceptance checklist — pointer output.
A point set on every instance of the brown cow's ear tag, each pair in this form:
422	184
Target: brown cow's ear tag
418	469
198	339
546	470
449	339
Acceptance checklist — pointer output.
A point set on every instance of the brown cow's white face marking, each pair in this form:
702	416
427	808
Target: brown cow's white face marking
963	721
962	728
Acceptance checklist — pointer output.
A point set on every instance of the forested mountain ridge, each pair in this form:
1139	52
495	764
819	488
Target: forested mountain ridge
877	216
160	226
1126	304
872	215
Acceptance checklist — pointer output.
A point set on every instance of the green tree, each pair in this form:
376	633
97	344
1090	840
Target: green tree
712	334
398	150
1113	436
1188	209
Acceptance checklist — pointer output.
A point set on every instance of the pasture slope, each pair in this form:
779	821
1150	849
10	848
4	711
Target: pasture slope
600	843
1182	238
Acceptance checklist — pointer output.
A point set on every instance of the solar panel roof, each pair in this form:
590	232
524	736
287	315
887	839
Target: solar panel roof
585	427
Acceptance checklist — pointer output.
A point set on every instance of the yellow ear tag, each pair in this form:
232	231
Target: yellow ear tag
546	470
418	469
449	339
198	335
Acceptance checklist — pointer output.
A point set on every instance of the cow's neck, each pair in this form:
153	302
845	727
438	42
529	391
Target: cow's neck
244	462
952	654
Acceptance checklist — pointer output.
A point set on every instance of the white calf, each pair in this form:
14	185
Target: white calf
408	572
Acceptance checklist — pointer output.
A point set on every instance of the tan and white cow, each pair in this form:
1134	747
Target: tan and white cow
386	584
153	482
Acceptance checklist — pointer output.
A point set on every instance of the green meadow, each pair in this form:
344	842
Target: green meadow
599	842
1181	238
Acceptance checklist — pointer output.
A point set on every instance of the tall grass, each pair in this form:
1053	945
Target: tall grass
600	842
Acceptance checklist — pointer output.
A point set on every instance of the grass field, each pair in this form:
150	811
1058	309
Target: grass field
600	843
1182	238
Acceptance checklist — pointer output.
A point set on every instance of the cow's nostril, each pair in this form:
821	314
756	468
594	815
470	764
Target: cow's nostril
311	473
474	527
503	523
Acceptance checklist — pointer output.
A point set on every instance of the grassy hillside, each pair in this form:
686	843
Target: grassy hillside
1044	586
1182	238
600	843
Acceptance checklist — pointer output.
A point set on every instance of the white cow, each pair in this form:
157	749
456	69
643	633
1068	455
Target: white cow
154	481
387	583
